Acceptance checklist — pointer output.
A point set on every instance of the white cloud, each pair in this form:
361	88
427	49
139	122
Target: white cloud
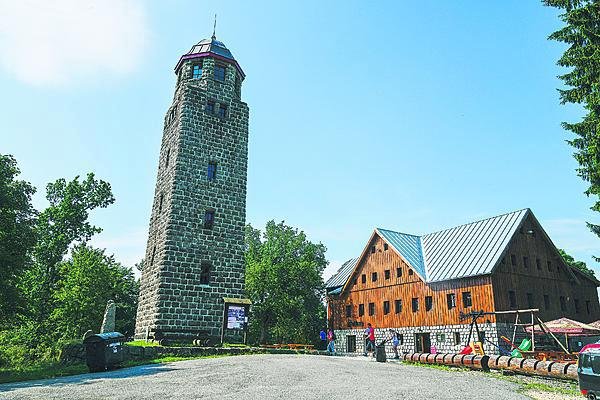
51	43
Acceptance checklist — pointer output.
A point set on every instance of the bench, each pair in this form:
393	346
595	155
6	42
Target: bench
198	337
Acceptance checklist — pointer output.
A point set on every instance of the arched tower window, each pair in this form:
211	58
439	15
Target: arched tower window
205	273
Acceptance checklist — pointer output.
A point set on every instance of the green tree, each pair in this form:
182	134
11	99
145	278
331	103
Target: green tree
63	223
580	265
87	281
581	33
17	221
283	280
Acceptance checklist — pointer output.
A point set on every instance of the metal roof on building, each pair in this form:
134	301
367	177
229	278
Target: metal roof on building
341	276
211	46
467	250
409	247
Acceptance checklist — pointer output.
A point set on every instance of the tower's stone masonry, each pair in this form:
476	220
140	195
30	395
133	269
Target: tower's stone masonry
189	266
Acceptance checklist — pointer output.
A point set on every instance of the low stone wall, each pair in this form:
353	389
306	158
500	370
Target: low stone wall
76	352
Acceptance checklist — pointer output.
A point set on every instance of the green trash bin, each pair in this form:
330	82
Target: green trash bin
104	351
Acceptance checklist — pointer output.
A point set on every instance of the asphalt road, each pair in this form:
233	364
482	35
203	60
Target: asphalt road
264	377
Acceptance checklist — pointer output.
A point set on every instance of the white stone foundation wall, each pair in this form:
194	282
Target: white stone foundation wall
441	336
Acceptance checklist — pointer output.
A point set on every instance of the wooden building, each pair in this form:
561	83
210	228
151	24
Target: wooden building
419	285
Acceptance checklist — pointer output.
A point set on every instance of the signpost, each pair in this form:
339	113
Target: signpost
235	318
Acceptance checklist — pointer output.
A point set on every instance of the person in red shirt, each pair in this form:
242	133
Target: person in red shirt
369	340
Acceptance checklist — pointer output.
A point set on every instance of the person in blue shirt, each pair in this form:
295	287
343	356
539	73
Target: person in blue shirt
323	337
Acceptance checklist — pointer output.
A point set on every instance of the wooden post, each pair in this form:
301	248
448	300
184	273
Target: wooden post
515	327
532	333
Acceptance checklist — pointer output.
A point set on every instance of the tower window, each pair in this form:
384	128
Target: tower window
211	173
220	72
160	202
371	309
153	254
205	274
209	219
361	310
210	107
167	158
197	71
222	110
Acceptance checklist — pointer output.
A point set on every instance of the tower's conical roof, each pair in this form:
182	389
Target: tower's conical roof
210	48
211	45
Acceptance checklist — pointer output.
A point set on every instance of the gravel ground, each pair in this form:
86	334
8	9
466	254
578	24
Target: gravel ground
265	377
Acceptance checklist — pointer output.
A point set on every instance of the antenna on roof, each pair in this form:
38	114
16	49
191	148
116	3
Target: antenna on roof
214	36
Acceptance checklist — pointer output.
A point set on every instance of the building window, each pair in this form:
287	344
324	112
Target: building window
205	274
386	307
530	300
398	306
220	72
546	302
549	263
512	299
372	249
167	158
371	309
588	306
160	202
211	172
398	272
440	337
577	309
538	263
410	271
348	311
361	310
222	110
363	278
456	338
385	247
209	219
415	304
563	303
513	260
467	300
197	71
386	274
374	276
210	107
526	262
428	303
451	300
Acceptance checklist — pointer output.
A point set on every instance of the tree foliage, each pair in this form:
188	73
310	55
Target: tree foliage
580	265
17	221
283	280
582	35
87	281
63	223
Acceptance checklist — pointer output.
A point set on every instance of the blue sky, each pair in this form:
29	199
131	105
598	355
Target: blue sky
412	116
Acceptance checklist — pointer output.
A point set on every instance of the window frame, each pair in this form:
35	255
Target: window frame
361	310
209	219
428	303
397	306
386	307
217	76
205	273
200	68
371	309
467	299
414	304
451	300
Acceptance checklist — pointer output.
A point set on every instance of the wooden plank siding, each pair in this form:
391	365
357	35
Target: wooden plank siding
404	288
532	282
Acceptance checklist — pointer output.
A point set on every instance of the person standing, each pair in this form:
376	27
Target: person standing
395	343
369	340
323	337
331	344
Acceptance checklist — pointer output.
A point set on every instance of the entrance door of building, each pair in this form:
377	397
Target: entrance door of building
422	343
350	343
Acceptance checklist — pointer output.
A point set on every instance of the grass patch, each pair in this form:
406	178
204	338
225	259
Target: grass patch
441	367
530	383
41	371
142	343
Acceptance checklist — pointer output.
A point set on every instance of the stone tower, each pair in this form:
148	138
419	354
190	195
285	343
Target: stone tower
194	256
